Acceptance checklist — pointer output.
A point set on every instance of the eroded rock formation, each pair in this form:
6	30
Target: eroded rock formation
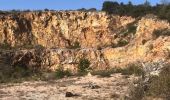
60	29
95	33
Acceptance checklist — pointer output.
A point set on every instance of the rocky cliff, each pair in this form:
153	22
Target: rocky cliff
50	39
60	29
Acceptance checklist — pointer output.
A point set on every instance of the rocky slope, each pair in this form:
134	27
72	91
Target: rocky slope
63	38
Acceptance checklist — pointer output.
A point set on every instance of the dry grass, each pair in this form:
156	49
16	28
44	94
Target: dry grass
129	70
156	87
160	86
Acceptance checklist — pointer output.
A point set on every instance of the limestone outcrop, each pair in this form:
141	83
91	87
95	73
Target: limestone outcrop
105	40
60	29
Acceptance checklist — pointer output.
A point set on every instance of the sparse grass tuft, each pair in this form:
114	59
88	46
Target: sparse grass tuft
132	69
138	92
61	73
129	70
104	73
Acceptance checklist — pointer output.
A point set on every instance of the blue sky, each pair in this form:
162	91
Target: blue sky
59	4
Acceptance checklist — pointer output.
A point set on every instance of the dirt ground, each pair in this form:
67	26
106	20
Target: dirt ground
89	87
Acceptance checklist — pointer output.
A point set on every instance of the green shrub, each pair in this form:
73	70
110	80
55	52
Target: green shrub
39	47
46	9
17	74
83	65
131	28
76	45
5	46
137	11
21	72
61	73
124	32
122	43
114	45
27	46
162	32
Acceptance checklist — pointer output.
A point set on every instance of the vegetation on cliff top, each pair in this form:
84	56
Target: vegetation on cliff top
113	7
161	10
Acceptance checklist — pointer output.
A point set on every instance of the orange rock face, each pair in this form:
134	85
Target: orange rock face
94	32
60	29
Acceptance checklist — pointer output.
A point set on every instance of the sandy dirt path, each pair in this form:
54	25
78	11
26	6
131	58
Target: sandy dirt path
89	87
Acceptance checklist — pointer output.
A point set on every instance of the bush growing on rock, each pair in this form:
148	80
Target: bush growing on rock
83	65
131	28
161	32
122	43
76	45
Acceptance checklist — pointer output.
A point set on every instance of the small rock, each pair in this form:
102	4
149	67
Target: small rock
95	87
69	94
92	86
114	95
89	74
